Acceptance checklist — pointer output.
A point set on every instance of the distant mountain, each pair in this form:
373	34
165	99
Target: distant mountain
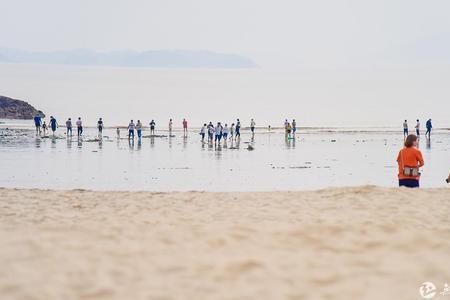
17	109
152	59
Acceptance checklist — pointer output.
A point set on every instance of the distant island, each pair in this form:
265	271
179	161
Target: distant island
150	59
17	109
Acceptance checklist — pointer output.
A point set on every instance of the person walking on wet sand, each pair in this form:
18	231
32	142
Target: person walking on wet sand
100	126
225	132
409	161
429	127
185	127
152	127
232	129
417	128
294	126
69	127
203	132
218	133
139	129
38	124
131	127
238	129
252	126
170	127
405	129
79	127
53	124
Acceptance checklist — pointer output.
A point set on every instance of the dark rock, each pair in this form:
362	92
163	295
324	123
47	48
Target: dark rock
17	109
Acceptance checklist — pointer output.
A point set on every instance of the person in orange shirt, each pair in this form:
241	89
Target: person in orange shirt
409	161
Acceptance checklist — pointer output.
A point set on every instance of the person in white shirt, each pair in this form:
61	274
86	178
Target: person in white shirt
79	127
218	131
252	125
225	132
139	129
203	132
131	127
69	127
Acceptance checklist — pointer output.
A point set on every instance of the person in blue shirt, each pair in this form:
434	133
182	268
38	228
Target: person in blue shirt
429	126
38	124
53	124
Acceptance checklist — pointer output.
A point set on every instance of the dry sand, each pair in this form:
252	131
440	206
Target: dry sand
346	243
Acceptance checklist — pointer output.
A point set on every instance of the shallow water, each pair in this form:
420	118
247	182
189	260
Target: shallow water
315	159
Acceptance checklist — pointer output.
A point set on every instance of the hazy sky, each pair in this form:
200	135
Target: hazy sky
278	33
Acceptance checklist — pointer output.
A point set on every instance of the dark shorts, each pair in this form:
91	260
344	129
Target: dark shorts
411	183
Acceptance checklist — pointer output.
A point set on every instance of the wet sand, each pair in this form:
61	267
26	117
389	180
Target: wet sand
343	243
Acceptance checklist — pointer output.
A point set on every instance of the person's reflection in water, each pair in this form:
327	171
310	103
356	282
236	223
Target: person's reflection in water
139	145
225	145
38	142
218	151
428	143
184	141
53	138
80	142
170	140
253	138
238	143
131	144
69	142
100	143
152	141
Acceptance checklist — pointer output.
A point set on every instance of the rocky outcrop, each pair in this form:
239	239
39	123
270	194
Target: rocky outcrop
17	109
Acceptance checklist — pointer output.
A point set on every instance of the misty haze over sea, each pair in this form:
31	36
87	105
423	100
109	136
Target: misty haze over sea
128	58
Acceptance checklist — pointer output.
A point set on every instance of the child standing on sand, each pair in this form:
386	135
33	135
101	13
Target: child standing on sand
44	127
409	161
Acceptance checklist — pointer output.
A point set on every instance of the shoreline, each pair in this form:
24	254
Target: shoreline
368	242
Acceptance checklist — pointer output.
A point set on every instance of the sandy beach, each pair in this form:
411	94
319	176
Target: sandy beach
343	243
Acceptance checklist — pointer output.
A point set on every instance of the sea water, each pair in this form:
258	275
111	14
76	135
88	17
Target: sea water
313	159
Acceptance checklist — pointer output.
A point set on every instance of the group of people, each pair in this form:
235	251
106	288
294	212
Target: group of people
42	127
290	128
219	132
410	159
428	126
132	127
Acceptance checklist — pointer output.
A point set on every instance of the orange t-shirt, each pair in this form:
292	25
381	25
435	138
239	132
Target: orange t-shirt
409	157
